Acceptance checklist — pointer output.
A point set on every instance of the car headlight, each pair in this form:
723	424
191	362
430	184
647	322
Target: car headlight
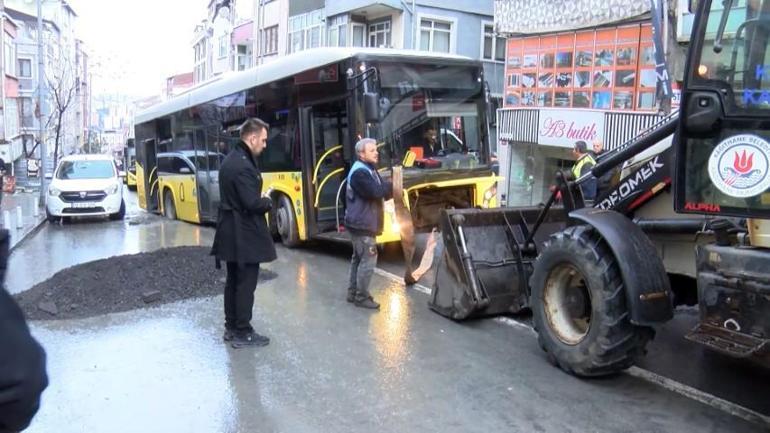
113	189
53	191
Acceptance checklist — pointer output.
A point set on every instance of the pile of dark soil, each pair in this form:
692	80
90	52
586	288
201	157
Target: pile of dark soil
125	283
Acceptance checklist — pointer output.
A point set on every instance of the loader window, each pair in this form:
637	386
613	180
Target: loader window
742	66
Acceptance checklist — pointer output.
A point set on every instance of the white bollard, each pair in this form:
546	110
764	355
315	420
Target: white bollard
6	219
35	209
19	218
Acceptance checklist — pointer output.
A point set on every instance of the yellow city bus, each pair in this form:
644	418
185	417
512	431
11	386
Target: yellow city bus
318	104
129	164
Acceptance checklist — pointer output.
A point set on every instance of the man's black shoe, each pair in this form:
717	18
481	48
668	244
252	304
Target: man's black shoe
249	339
351	296
228	335
366	302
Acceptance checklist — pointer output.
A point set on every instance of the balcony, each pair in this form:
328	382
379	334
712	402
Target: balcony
367	8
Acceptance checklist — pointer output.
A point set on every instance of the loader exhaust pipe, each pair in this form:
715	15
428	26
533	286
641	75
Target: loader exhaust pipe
481	299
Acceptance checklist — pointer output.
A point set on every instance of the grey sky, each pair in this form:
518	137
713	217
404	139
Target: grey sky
135	44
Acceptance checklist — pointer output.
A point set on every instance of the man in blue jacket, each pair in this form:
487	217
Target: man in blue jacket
365	195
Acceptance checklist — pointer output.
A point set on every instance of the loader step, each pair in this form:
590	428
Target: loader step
726	341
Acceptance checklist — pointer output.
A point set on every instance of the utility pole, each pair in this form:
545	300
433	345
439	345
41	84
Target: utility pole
40	89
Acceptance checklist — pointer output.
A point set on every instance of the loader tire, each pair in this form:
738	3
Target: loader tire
579	306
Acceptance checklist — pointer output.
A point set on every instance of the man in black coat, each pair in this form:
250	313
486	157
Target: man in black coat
242	238
22	360
364	197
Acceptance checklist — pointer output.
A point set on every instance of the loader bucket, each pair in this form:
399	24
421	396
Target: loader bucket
485	266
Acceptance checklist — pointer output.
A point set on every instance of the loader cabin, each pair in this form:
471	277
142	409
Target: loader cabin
723	147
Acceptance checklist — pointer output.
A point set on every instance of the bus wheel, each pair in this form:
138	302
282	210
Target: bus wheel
169	210
272	220
286	222
579	307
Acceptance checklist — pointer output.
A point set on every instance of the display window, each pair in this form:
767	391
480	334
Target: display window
607	68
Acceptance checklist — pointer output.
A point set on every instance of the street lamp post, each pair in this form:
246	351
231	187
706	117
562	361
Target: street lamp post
40	89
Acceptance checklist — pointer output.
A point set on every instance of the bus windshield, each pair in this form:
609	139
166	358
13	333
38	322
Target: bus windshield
741	63
432	111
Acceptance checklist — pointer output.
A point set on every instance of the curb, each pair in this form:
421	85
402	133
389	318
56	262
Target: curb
38	225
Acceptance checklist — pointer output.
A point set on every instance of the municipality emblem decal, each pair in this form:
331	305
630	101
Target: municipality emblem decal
739	165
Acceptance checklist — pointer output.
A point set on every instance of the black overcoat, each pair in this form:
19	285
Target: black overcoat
242	234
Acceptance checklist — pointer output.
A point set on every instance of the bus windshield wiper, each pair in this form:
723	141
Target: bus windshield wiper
727	4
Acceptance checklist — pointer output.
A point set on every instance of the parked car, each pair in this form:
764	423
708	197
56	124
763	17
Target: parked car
85	185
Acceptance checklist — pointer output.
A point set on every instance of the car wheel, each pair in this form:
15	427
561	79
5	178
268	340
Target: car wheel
50	218
121	214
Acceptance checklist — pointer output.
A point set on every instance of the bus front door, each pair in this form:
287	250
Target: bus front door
147	177
207	159
328	134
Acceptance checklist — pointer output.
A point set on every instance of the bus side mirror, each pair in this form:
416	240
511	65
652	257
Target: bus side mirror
372	107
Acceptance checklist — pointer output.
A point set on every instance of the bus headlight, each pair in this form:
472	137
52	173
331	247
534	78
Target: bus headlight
489	195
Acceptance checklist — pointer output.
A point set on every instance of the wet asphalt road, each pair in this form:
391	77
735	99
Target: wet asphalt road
330	367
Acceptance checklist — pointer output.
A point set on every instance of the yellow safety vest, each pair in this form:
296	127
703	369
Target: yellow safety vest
578	167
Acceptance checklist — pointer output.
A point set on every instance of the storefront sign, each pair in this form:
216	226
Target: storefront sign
564	127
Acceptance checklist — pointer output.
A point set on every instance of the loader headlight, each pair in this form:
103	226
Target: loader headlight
489	195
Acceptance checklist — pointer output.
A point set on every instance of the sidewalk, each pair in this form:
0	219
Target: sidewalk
27	201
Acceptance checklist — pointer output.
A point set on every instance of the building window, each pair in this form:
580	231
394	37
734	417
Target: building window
244	57
494	46
436	35
200	62
358	35
223	46
270	40
337	32
9	51
379	34
306	31
25	68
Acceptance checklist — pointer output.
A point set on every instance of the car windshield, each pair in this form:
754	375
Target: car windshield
69	170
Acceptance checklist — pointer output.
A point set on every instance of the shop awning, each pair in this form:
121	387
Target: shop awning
514	17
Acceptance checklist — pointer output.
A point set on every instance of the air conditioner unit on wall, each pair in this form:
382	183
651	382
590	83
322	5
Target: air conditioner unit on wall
684	21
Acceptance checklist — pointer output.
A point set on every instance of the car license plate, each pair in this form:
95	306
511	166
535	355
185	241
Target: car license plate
83	205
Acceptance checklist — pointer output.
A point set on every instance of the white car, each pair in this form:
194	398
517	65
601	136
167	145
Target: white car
85	185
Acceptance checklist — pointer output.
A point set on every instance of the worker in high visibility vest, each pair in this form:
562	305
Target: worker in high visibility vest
583	164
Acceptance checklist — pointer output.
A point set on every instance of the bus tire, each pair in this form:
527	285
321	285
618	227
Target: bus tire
272	220
286	222
169	209
579	307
